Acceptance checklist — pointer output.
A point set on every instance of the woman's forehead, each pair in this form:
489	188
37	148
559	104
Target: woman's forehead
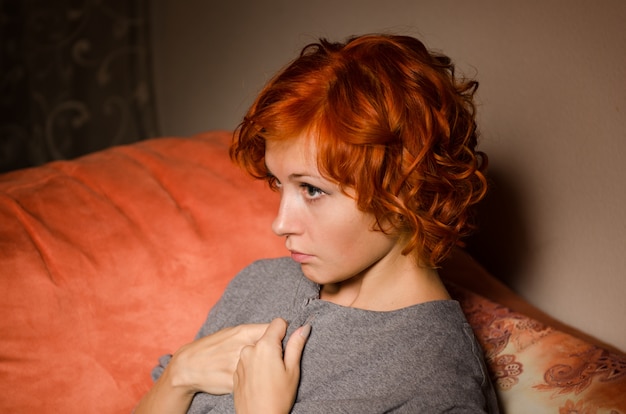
297	153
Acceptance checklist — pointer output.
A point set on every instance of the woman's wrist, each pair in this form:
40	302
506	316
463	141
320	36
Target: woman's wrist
167	396
177	378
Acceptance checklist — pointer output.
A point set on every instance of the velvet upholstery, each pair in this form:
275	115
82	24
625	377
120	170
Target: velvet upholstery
113	259
109	261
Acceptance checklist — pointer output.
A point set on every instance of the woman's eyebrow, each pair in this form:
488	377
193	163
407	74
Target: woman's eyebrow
293	176
298	176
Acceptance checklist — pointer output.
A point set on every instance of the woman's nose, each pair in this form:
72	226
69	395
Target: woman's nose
286	221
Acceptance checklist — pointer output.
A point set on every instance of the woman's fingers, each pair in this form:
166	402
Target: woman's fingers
274	335
275	332
266	380
294	348
208	364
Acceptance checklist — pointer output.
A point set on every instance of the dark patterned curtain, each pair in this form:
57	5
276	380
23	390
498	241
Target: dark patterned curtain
75	77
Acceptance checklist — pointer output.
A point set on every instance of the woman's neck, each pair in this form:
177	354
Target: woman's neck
391	284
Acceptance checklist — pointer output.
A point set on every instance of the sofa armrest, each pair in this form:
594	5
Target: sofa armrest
538	364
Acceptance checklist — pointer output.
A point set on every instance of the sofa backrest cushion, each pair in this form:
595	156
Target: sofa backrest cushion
113	259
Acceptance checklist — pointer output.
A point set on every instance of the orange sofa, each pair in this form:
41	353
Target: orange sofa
113	259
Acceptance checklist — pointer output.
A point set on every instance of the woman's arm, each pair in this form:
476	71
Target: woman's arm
265	381
205	365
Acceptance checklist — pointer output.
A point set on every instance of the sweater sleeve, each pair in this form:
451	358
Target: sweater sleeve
219	316
256	295
248	298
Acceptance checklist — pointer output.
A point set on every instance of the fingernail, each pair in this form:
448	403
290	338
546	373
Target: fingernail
305	331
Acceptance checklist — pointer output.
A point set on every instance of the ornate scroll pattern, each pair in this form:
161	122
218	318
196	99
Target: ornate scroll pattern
575	376
501	332
506	371
75	77
581	407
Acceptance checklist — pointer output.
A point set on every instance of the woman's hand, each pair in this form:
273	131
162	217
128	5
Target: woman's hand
264	381
208	364
205	365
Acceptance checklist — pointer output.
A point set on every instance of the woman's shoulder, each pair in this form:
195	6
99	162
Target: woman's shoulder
275	269
267	276
436	320
280	264
257	294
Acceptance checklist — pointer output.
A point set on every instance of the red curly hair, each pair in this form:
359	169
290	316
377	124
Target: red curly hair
391	121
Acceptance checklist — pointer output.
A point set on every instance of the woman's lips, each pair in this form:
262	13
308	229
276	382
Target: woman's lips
300	257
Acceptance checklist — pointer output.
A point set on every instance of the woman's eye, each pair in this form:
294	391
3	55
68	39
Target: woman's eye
311	192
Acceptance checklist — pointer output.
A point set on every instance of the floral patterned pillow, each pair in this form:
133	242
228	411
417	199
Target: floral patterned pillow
538	369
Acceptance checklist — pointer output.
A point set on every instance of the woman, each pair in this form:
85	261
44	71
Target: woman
371	145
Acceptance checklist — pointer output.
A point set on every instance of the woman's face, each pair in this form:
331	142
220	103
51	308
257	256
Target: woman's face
324	230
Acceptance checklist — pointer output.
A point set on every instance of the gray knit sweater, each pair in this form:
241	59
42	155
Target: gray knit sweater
420	359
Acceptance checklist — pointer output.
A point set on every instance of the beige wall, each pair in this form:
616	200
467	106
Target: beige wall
553	119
